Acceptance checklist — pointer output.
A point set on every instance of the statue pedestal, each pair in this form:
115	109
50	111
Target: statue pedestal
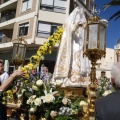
75	91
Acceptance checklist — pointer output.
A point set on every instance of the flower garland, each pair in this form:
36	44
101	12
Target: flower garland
46	48
43	101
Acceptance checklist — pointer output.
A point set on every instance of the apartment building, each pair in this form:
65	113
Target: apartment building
35	21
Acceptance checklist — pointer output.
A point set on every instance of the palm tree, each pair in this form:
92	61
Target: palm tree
113	3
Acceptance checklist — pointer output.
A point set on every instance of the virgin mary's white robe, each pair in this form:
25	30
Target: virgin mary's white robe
70	66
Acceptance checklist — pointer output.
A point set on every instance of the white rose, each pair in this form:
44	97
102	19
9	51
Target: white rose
39	82
19	95
28	102
35	88
33	97
53	114
106	92
65	101
32	110
23	90
49	98
37	101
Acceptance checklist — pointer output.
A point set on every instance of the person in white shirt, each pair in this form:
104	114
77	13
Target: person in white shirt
3	75
3	87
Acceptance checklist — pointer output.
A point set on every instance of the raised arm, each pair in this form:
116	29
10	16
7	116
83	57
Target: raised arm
6	83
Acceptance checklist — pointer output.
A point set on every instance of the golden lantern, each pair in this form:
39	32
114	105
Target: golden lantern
94	49
19	50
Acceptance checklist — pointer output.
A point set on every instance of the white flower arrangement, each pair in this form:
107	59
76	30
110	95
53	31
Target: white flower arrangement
48	103
39	82
104	87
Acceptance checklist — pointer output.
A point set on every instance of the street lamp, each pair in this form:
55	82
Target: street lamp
117	50
19	50
118	55
94	49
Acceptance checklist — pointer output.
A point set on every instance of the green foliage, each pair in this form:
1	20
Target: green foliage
65	117
67	110
113	3
104	87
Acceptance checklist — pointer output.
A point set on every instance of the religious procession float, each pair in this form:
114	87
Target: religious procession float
72	92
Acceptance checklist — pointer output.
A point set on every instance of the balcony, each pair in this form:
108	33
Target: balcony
3	1
7	17
5	39
7	4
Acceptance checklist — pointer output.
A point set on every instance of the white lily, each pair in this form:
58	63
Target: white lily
49	97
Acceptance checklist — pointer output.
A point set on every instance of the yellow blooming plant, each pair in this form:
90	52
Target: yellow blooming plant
43	100
8	96
46	48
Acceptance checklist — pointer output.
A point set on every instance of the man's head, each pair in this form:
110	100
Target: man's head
45	69
115	75
103	74
34	71
1	66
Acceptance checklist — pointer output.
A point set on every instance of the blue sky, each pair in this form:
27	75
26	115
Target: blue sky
113	30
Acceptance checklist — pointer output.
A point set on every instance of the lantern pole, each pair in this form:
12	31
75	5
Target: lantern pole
94	49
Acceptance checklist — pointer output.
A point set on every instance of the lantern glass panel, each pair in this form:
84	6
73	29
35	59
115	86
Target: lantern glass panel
102	37
15	49
93	36
85	39
21	51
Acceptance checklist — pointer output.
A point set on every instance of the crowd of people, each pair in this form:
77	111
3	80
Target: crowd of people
43	74
106	108
6	80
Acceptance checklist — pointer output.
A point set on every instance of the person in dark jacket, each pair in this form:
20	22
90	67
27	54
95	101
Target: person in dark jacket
108	107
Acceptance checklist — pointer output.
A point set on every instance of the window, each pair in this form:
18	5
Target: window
23	29
46	29
54	5
26	5
1	35
91	6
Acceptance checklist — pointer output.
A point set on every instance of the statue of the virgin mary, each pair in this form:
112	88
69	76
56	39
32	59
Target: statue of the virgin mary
71	67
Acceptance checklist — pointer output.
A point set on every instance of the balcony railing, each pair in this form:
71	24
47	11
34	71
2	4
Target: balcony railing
7	17
1	2
5	39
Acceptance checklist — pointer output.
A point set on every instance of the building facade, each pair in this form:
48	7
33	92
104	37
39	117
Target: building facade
106	63
35	21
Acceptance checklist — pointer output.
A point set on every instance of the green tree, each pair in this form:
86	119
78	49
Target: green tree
116	15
